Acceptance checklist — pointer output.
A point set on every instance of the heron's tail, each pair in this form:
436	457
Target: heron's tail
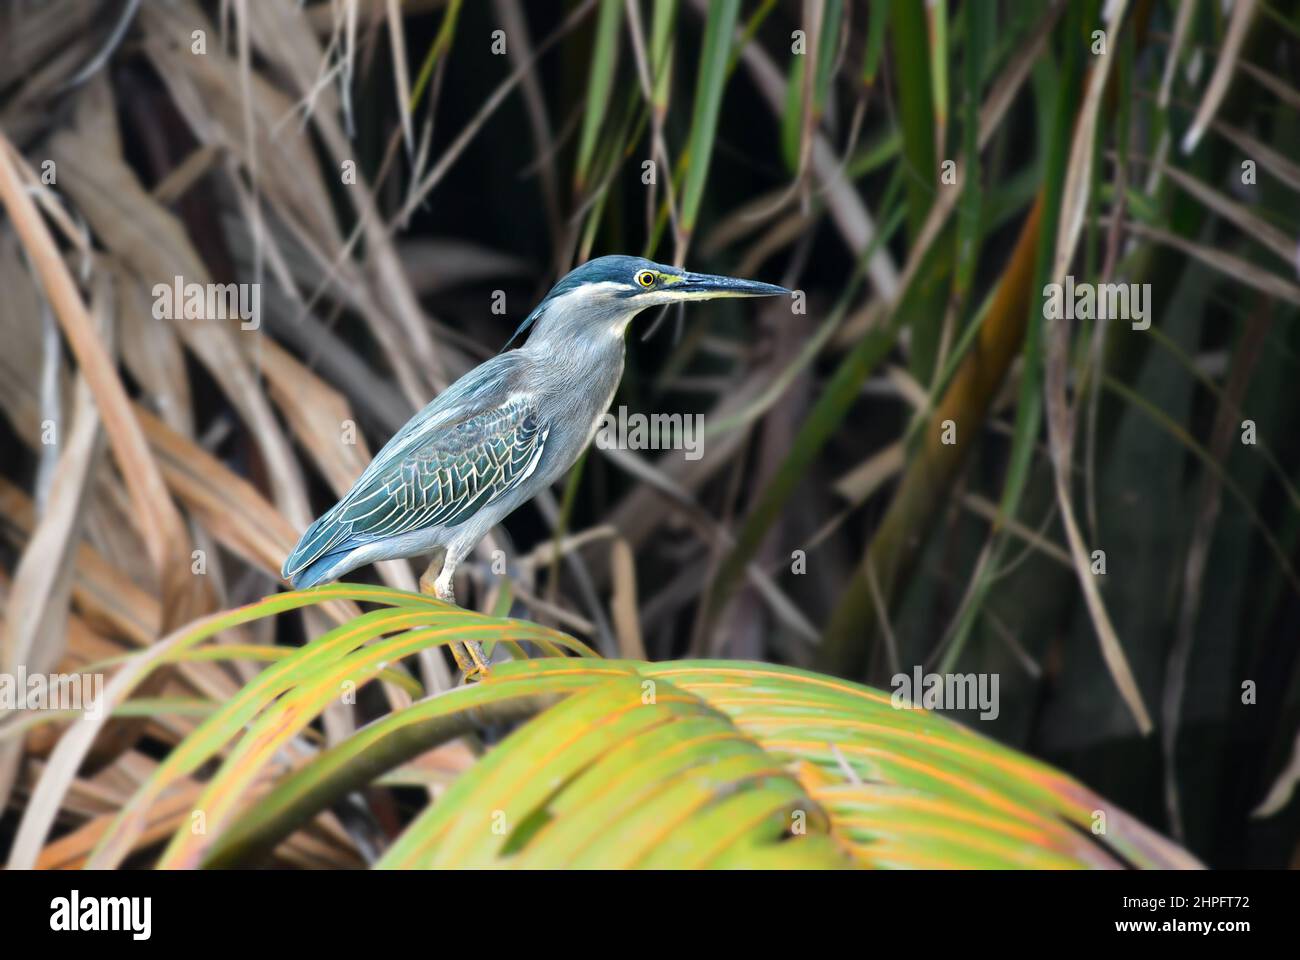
323	569
322	546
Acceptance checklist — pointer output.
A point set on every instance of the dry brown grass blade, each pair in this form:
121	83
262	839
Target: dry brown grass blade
184	596
111	604
1111	648
843	203
39	34
281	32
152	353
1276	85
197	164
103	588
206	90
811	23
790	229
1033	539
166	539
1232	267
92	795
737	224
870	475
1243	13
86	646
349	61
40	580
72	851
319	417
401	75
290	181
1239	215
1060	416
60	773
41	47
623	606
1282	167
102	591
153	242
1284	787
1182	21
36	616
510	15
1078	174
436	265
226	504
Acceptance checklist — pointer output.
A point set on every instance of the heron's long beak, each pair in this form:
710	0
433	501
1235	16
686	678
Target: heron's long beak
704	286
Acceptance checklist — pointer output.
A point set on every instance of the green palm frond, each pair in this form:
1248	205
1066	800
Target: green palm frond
619	763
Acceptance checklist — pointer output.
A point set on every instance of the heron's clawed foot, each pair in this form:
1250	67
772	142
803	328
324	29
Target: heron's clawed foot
472	661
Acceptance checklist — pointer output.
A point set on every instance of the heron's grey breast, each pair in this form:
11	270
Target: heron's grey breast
573	396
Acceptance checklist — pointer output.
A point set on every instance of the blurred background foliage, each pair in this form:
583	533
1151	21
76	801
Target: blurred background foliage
919	171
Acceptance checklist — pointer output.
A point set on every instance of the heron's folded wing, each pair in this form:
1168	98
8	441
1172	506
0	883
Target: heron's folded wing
442	480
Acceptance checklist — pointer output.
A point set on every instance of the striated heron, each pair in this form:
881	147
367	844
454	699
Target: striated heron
504	431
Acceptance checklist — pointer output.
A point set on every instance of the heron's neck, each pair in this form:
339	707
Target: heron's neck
588	354
585	368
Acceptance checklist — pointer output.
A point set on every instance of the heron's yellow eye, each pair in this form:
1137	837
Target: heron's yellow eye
645	278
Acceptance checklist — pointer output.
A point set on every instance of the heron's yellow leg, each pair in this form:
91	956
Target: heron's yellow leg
469	656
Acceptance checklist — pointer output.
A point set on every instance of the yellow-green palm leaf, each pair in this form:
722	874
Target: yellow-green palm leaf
625	764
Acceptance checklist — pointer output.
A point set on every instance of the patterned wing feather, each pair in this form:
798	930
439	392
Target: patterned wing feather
440	481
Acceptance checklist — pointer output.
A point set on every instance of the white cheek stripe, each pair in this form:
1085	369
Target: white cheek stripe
589	291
